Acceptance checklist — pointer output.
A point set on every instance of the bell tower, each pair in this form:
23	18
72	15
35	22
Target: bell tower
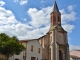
58	37
55	16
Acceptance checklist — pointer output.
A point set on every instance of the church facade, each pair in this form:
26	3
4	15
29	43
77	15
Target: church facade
55	42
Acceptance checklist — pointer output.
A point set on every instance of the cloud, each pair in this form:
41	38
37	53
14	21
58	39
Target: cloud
38	25
68	27
71	47
38	17
21	2
10	25
6	17
2	3
16	0
70	7
43	1
24	19
68	16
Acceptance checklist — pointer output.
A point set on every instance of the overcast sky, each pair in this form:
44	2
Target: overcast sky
29	19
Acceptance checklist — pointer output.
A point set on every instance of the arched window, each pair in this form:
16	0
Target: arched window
54	19
58	20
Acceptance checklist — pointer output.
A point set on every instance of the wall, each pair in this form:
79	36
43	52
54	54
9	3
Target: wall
35	53
45	41
29	53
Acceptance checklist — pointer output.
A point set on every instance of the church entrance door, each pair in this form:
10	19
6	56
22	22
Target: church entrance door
60	55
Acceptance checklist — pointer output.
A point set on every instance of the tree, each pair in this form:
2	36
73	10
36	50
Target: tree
10	45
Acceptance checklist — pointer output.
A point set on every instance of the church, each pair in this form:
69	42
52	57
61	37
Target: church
52	46
55	42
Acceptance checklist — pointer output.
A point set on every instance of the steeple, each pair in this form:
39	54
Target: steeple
55	16
55	9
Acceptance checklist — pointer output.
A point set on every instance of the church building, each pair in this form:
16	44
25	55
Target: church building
55	42
52	46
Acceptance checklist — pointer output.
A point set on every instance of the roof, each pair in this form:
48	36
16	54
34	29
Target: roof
73	56
58	28
75	50
78	50
55	9
27	40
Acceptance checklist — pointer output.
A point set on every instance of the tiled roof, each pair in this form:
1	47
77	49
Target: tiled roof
73	56
27	40
78	50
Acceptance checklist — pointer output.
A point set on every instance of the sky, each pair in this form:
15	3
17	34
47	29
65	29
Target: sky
30	19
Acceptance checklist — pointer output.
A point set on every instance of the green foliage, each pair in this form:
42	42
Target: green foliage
10	45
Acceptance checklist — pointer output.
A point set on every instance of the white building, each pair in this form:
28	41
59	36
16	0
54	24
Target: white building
75	55
33	51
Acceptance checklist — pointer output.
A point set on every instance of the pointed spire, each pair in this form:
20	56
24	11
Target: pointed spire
55	9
